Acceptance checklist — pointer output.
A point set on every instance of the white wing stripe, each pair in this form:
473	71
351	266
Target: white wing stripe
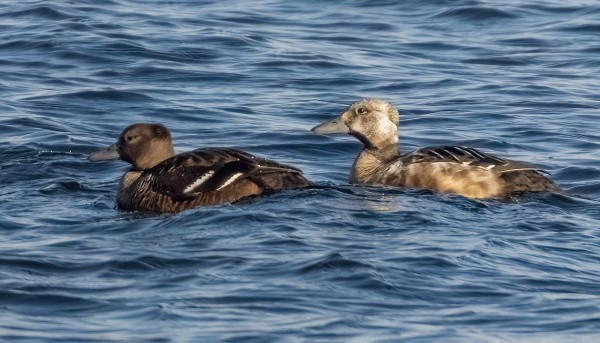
198	182
436	153
230	180
475	153
451	154
463	151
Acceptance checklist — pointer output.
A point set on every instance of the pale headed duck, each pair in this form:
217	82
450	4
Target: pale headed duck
446	169
163	182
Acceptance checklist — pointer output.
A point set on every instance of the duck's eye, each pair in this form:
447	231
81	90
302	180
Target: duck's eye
129	138
361	110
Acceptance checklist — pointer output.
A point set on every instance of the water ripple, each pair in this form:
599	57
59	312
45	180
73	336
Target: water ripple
478	13
338	262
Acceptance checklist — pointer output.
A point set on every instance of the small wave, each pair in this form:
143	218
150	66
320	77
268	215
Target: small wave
181	55
476	14
525	42
28	45
550	104
333	261
170	265
500	61
593	29
42	12
572	174
37	303
100	95
57	187
42	264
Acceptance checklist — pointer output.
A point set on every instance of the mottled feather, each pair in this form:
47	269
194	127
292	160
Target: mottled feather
446	169
466	156
173	176
163	182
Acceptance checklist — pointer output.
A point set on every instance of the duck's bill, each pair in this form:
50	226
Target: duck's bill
109	153
335	125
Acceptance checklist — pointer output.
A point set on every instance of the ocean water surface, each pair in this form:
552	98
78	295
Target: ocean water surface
345	263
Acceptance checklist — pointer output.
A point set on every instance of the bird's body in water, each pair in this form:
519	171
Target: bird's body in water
446	169
163	182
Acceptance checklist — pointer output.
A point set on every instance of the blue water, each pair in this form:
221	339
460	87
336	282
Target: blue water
519	79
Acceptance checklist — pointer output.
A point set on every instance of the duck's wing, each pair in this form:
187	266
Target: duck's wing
466	156
191	174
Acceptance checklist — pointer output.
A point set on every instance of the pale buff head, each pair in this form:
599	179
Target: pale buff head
373	121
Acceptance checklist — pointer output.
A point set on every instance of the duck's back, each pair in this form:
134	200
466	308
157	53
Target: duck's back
465	171
528	181
475	174
205	177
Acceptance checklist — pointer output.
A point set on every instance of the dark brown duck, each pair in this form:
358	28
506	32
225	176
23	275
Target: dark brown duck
446	169
163	182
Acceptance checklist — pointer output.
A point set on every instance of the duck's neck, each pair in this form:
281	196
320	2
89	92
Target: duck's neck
154	155
370	159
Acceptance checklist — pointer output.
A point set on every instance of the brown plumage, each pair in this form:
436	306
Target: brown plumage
447	169
160	181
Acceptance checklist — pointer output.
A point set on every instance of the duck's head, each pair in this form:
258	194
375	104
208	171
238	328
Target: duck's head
142	145
373	121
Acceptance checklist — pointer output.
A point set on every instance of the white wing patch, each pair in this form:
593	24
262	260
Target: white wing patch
198	182
470	165
230	180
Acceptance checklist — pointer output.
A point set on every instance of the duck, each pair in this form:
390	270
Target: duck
161	181
445	169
